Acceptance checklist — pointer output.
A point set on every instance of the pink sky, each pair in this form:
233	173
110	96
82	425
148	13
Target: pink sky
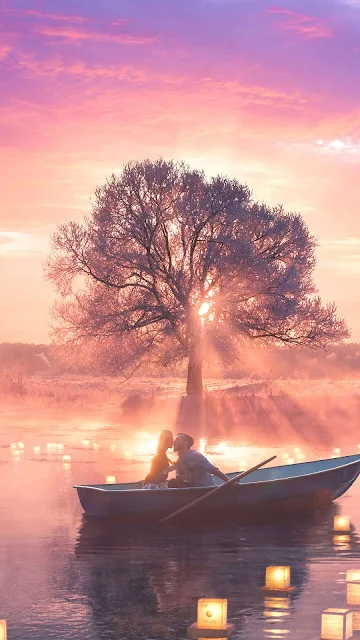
263	91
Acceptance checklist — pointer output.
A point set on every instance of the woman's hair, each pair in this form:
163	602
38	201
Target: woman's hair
164	435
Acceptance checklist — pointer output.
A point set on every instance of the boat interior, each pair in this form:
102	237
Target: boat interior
265	474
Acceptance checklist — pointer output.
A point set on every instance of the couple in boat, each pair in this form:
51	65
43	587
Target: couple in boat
192	468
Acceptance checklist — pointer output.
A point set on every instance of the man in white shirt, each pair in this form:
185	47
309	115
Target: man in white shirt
192	468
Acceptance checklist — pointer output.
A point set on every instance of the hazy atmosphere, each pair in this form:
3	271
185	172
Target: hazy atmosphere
179	319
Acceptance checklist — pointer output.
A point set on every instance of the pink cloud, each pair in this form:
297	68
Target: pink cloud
77	35
48	16
301	24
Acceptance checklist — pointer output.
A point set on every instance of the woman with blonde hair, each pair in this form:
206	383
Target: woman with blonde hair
160	465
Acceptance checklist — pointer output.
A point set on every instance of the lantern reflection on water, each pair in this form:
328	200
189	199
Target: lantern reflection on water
37	450
277	579
276	602
342	524
342	542
336	624
66	458
3	632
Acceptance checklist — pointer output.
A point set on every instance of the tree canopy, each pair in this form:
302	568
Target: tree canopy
171	265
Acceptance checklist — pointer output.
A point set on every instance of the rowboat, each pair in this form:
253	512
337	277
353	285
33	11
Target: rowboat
306	485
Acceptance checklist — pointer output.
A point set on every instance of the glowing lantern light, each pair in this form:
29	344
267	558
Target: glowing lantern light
285	456
242	464
341	542
110	479
85	443
37	450
342	524
301	456
277	579
113	447
336	624
3	632
96	446
290	461
16	453
276	602
60	448
202	445
20	445
13	445
337	451
66	466
212	613
66	458
297	450
353	593
353	575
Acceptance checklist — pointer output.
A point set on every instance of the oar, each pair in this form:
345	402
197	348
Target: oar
222	487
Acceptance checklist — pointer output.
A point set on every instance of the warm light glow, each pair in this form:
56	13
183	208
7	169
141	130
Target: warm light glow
204	308
96	446
60	448
13	445
297	450
20	445
3	632
342	542
203	445
290	461
66	466
37	450
277	578
342	524
336	624
276	602
85	443
212	613
113	447
285	456
66	458
353	593
353	575
110	479
337	451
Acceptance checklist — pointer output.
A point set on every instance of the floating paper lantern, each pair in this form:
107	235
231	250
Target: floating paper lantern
85	443
113	447
37	450
290	461
212	613
60	448
20	445
96	446
342	524
285	456
3	632
353	593
110	479
13	445
336	624
277	579
297	450
66	458
66	466
353	575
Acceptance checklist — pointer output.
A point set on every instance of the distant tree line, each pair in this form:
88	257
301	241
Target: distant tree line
340	360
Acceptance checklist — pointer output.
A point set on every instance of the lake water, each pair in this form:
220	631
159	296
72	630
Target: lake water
65	576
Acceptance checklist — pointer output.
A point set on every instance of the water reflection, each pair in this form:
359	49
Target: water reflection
160	571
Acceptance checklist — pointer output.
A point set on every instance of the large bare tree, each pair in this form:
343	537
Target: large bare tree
170	264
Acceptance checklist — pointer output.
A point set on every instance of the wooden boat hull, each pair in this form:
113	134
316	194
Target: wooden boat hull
301	486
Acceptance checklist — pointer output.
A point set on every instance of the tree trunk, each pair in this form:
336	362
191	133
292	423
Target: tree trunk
194	385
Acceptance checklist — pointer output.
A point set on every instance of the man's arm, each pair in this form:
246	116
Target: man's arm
220	475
